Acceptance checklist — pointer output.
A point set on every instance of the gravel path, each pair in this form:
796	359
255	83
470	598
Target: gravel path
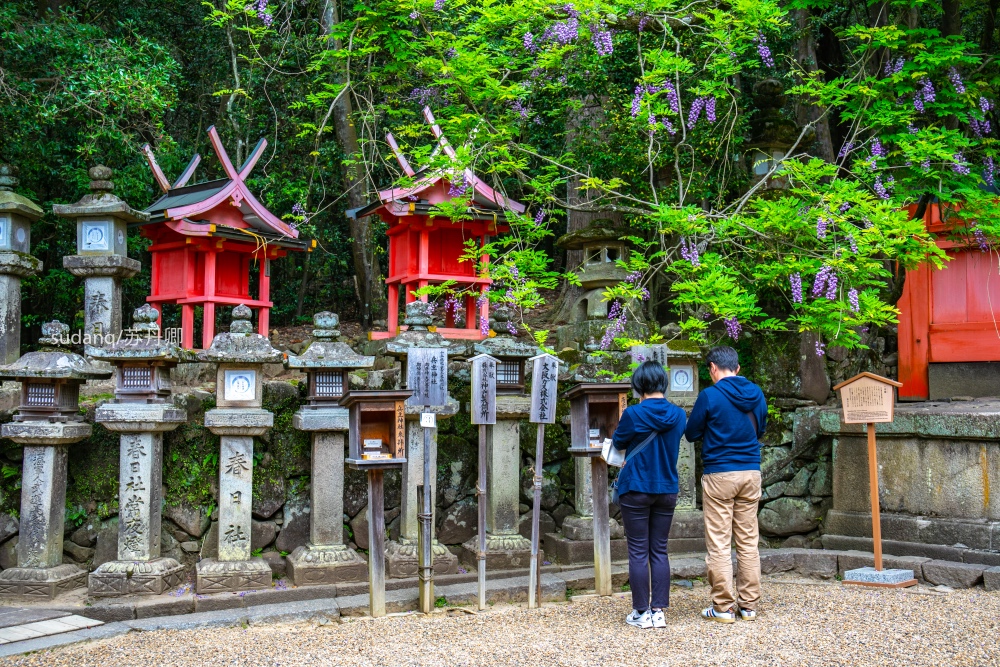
798	625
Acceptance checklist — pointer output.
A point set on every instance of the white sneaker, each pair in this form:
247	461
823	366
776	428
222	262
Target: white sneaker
643	620
659	620
720	616
748	614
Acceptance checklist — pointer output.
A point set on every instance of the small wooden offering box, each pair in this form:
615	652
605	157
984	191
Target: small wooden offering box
377	421
594	412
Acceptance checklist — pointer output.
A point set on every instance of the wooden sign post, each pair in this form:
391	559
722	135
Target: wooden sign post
483	411
871	399
544	381
427	377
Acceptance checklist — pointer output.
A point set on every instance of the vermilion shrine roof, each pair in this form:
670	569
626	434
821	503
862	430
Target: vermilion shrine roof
182	206
431	187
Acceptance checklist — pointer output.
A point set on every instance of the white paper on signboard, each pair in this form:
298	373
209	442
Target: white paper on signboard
240	385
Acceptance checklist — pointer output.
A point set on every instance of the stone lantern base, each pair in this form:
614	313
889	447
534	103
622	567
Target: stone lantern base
215	576
503	552
403	559
41	582
152	577
313	565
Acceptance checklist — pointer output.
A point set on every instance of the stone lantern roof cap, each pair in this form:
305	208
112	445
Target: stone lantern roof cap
53	361
141	343
326	352
419	317
12	202
504	345
596	232
241	345
100	200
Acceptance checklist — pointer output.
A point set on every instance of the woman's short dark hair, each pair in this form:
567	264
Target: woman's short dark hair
724	358
650	378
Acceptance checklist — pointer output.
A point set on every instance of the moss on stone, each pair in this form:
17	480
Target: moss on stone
92	482
191	463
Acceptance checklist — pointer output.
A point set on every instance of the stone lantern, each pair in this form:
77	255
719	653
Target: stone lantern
16	215
506	548
48	421
237	417
402	555
102	251
142	411
772	134
327	363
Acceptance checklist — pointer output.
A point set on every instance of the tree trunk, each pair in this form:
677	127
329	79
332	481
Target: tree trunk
989	26
951	18
366	264
806	110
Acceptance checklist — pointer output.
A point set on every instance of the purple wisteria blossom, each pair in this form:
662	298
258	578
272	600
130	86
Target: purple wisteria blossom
763	50
831	287
924	94
263	15
956	80
820	349
852	296
881	189
980	239
670	126
619	318
637	100
414	15
981	128
450	53
877	149
851	241
522	110
643	21
438	5
960	166
538	218
926	164
710	110
689	251
989	172
821	225
672	99
912	129
985	105
733	328
458	187
894	66
484	322
695	111
566	31
600	36
845	207
845	149
822	277
795	280
529	42
299	209
423	95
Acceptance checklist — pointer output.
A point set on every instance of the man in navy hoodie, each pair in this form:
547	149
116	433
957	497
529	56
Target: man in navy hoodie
729	419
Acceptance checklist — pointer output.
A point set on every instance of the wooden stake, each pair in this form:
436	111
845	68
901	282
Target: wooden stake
481	496
424	547
376	544
873	493
535	573
602	528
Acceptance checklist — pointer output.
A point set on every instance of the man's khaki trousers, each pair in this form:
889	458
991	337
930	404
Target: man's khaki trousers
730	506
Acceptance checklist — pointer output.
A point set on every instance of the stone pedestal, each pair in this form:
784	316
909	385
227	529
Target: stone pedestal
102	287
574	543
402	555
234	569
13	267
326	559
687	532
506	548
139	569
40	572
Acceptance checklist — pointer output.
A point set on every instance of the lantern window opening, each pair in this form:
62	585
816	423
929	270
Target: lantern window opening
40	395
510	372
328	384
136	377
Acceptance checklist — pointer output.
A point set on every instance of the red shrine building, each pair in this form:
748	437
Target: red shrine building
949	323
206	240
427	250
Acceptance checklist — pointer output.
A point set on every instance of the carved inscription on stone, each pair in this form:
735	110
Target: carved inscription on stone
235	489
427	376
134	499
544	378
483	409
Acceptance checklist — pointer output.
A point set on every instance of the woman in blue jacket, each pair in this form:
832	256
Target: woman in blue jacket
647	491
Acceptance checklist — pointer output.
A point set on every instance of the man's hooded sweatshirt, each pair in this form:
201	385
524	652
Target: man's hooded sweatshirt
721	420
654	469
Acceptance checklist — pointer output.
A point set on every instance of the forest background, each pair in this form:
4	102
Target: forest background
647	113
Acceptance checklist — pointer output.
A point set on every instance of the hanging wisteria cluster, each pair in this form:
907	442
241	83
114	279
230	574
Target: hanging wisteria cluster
894	66
989	173
763	50
264	16
956	81
827	278
795	281
458	187
689	251
925	93
618	317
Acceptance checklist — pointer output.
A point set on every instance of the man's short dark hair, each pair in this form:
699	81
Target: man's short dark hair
724	358
650	378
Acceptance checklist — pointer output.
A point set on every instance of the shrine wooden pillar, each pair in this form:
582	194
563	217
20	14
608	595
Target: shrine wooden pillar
263	314
393	308
187	325
208	314
187	309
470	311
